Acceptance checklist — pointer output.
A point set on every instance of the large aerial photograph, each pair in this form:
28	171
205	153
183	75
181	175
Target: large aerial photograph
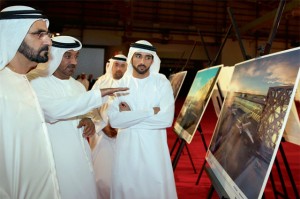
252	122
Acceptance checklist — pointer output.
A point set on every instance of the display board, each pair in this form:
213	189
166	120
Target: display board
195	103
177	80
251	123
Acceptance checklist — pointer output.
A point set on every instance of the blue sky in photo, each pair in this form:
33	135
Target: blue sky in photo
202	77
257	75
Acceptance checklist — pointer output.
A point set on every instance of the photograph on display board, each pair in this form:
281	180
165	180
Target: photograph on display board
251	123
292	128
195	103
176	82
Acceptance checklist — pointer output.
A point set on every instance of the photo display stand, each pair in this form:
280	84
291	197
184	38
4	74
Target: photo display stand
216	185
194	106
199	129
252	120
293	120
178	139
267	48
219	96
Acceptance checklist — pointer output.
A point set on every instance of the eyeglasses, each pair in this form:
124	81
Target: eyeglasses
41	34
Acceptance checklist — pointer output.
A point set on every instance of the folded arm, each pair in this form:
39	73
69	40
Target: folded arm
125	119
164	118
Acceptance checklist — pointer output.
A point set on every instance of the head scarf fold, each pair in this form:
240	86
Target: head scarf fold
15	21
145	47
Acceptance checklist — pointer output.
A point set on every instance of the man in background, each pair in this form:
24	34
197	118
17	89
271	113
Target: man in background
103	143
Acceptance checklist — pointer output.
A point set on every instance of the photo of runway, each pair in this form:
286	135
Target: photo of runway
252	121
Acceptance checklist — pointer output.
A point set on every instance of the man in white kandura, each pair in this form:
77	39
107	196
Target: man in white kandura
142	166
27	169
103	142
64	102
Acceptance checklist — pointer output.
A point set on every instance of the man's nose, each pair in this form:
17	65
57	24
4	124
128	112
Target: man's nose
47	40
74	60
142	60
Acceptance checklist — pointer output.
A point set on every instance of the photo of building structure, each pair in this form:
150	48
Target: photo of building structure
252	121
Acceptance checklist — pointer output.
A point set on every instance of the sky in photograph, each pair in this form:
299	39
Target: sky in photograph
257	75
202	77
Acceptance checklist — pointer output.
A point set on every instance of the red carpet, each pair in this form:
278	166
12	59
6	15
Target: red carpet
186	178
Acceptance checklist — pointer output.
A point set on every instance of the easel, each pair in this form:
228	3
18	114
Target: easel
216	185
222	98
178	139
199	129
266	51
287	167
288	170
182	141
179	151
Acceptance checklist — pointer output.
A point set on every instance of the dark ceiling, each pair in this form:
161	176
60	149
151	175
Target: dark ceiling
168	18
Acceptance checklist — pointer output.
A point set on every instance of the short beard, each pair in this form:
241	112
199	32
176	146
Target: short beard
118	76
139	71
32	55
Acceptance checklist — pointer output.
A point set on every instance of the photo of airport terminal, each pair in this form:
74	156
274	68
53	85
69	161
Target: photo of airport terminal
252	120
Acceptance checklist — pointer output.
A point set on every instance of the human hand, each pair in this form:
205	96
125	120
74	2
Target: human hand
156	110
111	91
109	131
123	106
89	127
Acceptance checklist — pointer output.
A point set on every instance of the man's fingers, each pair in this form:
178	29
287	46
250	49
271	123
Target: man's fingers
80	125
110	91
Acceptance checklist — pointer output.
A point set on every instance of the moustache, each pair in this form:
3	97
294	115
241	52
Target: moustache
142	65
71	66
44	48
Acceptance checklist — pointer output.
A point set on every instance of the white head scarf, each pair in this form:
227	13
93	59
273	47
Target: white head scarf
60	45
107	65
145	47
119	58
15	21
107	80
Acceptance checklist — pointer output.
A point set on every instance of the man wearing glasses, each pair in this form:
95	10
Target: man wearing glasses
27	168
